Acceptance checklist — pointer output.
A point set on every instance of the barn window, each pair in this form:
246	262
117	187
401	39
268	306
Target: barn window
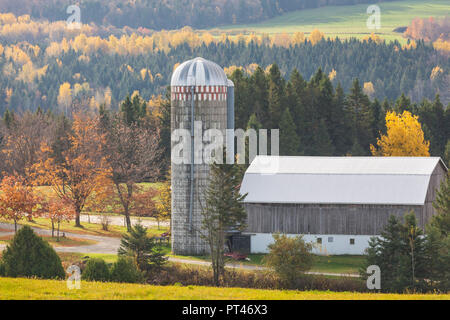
352	241
330	239
319	240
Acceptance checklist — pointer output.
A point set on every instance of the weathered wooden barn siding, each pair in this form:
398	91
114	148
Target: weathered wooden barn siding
436	178
323	218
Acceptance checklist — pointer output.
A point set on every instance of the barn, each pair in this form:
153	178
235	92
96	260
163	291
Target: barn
337	203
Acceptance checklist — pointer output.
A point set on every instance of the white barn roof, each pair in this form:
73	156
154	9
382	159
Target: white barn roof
339	180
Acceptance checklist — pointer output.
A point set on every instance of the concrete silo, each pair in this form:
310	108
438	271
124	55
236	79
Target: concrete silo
200	98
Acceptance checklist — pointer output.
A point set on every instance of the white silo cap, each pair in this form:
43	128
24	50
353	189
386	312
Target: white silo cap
199	72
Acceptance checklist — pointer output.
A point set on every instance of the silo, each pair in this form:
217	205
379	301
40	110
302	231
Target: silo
198	93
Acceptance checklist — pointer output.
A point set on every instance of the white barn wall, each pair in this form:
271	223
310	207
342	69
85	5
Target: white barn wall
341	243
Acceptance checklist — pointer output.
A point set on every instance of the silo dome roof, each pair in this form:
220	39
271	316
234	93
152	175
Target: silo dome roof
199	72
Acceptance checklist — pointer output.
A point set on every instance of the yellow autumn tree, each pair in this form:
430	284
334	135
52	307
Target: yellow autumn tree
65	96
404	137
316	36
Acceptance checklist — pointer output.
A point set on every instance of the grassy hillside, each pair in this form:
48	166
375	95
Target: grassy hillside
53	289
349	21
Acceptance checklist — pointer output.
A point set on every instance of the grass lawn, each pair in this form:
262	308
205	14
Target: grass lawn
19	288
63	242
88	228
348	21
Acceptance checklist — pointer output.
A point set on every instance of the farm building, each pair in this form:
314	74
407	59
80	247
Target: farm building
339	203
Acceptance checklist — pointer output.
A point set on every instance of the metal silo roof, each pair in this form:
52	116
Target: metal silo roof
339	180
199	72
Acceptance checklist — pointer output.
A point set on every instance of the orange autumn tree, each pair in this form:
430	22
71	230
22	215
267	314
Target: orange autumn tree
58	210
17	200
83	168
404	137
145	204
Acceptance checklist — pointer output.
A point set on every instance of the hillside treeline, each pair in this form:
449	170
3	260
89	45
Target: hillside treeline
314	117
317	118
165	14
97	70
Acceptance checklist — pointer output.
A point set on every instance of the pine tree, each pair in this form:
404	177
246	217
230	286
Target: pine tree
127	111
323	145
401	254
358	106
289	140
146	253
222	211
341	123
259	96
276	95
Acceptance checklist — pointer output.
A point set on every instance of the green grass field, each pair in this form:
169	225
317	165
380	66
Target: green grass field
348	21
19	288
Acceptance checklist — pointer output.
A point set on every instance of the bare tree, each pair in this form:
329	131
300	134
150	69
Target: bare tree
22	140
132	153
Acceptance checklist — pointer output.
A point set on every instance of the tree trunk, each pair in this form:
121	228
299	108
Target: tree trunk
57	239
15	225
53	228
77	217
128	220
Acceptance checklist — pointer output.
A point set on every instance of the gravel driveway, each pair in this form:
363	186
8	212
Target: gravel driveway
103	245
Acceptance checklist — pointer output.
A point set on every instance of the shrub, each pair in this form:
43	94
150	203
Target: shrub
186	275
96	270
125	270
290	257
29	255
2	269
147	254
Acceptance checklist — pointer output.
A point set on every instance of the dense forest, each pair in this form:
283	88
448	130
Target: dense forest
106	70
165	14
317	118
314	118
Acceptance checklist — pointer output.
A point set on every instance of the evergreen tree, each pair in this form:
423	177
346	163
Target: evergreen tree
341	123
28	255
289	141
276	95
147	254
358	106
222	211
401	254
403	103
323	145
128	113
259	96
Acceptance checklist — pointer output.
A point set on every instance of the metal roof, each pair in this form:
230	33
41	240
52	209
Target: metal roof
199	72
339	180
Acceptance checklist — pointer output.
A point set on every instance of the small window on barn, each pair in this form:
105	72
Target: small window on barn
319	240
330	239
352	241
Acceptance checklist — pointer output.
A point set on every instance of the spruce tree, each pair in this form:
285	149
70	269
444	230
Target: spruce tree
289	140
222	211
276	95
358	106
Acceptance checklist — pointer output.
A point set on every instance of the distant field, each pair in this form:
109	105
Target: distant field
348	21
52	289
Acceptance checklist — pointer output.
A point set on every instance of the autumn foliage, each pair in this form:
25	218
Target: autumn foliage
82	170
404	137
17	200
